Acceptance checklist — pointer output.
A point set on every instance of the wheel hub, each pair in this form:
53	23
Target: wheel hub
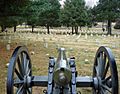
97	81
27	81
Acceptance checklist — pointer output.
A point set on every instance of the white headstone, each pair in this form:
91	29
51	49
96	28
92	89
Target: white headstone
8	47
46	45
104	35
9	37
38	34
86	61
78	36
97	35
47	54
115	36
109	35
118	36
9	41
7	65
91	35
71	49
86	36
32	52
97	42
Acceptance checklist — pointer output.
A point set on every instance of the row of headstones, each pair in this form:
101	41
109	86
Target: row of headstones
45	43
38	36
83	33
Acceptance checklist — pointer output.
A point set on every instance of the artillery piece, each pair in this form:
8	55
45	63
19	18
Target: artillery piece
62	75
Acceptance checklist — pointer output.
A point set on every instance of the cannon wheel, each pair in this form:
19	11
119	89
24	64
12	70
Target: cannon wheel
19	72
105	73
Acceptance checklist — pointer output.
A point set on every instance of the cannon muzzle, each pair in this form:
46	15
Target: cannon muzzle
62	71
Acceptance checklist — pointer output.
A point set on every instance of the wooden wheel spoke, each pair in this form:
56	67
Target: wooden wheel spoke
20	90
28	73
22	62
102	91
18	74
25	91
105	57
106	70
97	70
102	64
27	67
105	87
25	61
20	66
29	90
18	82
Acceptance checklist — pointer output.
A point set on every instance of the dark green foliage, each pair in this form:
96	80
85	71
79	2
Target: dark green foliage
50	16
43	13
12	7
11	12
75	14
107	10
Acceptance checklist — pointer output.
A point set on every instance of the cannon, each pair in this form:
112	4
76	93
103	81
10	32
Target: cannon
62	76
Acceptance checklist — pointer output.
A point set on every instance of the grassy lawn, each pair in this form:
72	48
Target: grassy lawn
82	47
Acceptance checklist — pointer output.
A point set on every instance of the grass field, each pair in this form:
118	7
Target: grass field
83	47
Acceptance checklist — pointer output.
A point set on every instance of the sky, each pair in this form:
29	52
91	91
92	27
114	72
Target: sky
90	3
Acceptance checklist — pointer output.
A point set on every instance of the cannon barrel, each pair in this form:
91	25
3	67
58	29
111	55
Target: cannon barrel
62	71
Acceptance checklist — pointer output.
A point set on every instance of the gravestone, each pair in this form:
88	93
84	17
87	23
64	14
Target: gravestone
7	65
32	52
86	61
114	45
97	42
38	34
9	41
47	54
46	45
78	36
115	36
86	36
91	35
118	36
8	47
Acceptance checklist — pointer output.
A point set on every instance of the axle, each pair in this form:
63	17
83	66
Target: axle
80	81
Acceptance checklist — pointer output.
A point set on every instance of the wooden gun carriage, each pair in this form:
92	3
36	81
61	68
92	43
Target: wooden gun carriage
62	76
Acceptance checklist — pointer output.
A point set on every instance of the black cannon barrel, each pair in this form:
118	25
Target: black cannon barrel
62	71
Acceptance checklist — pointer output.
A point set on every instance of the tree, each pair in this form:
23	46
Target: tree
33	11
11	12
43	13
107	10
90	18
74	14
50	16
10	21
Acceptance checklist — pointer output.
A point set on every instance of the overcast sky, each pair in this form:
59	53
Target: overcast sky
88	2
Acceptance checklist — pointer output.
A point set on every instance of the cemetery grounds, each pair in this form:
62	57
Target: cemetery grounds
83	47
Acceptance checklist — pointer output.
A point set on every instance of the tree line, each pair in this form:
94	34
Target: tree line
49	13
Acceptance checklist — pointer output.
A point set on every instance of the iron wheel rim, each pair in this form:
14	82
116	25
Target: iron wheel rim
105	69
19	68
